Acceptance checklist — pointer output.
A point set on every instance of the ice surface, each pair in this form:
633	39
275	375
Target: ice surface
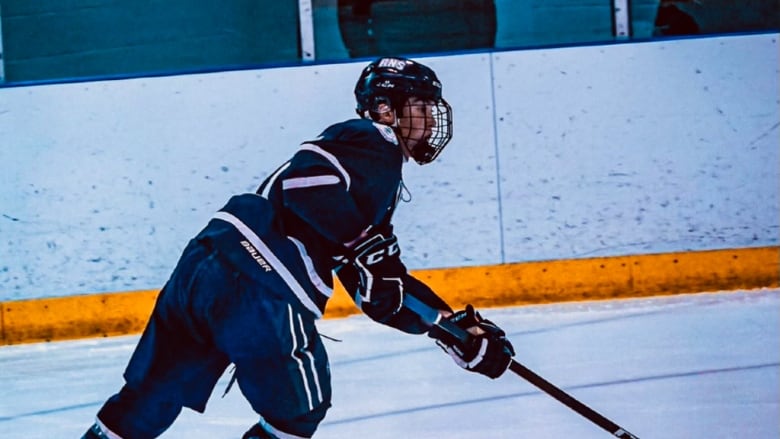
704	366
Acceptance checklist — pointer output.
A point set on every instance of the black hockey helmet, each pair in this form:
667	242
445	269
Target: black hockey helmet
392	81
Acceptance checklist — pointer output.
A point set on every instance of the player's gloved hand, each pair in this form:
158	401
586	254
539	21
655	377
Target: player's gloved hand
487	351
377	261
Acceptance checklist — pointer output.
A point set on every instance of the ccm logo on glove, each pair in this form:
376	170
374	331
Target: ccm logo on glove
376	257
380	272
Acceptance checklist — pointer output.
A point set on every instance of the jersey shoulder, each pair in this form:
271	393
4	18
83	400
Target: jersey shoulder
362	131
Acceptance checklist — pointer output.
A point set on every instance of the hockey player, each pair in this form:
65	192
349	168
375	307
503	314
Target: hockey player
249	287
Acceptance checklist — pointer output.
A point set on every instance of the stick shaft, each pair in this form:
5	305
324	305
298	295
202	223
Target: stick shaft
569	401
433	317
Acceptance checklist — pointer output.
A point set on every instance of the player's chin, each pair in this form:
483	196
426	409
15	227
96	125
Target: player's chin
419	141
424	138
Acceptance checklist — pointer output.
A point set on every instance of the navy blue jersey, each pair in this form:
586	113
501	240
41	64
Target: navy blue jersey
291	231
340	184
337	186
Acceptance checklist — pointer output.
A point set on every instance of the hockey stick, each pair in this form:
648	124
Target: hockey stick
433	317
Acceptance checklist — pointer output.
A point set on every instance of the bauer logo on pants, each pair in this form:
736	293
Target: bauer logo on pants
256	256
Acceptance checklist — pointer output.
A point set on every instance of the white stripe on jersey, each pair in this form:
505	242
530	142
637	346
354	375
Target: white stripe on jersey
303	182
270	182
331	158
315	278
272	260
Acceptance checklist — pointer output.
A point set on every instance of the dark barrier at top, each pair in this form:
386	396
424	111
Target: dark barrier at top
55	40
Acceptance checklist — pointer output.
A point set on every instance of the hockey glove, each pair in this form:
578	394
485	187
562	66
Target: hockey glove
380	272
487	351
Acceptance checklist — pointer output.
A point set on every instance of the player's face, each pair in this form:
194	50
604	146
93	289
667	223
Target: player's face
417	122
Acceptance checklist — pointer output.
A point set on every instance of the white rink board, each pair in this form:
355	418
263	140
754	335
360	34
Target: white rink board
601	150
639	148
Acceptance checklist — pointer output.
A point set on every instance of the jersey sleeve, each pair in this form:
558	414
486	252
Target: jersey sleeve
315	188
404	320
407	320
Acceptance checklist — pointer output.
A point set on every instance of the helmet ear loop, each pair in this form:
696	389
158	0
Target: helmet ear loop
376	115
